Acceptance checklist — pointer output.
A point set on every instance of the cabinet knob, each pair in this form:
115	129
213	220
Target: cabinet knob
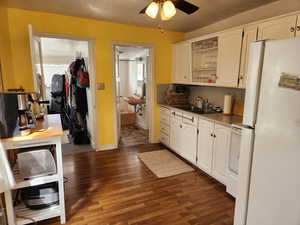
298	28
211	135
292	29
180	126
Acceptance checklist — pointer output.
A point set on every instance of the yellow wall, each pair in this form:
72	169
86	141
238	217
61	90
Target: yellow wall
104	33
5	52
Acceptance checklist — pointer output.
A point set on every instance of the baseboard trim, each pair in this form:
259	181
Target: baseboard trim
154	141
107	147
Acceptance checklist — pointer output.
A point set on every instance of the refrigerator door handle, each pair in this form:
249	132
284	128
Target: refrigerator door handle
254	71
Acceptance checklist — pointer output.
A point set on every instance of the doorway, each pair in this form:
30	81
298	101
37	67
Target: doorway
133	98
66	67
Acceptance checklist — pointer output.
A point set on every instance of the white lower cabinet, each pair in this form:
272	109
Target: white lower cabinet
205	145
202	142
220	151
189	142
213	148
183	135
175	139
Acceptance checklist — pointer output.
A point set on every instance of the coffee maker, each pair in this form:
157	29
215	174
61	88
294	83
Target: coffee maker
25	117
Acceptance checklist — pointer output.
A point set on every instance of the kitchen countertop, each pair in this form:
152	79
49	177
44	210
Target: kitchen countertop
49	127
226	120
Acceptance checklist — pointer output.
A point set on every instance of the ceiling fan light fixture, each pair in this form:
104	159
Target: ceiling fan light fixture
152	10
168	10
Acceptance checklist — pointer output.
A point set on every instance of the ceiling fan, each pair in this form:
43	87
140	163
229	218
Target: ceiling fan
167	8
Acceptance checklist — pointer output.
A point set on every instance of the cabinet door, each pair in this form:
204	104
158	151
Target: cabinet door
189	138
250	36
230	47
220	152
1	80
175	142
181	62
298	27
205	145
283	28
36	60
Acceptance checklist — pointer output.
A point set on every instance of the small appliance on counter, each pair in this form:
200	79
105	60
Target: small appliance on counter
36	163
26	117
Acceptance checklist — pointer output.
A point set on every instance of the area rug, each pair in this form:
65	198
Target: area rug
164	164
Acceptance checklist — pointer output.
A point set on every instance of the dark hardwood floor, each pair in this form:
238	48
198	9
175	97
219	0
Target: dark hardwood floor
115	188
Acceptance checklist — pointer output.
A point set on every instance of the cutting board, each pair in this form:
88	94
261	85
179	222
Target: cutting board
238	107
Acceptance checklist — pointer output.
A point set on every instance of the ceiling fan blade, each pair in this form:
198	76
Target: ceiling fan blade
185	6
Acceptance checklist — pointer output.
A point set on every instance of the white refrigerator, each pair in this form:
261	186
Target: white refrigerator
269	165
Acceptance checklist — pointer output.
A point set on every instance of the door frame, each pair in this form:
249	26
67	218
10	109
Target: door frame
92	72
150	93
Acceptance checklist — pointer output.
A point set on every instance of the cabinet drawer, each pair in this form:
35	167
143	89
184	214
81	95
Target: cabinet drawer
164	128
164	138
176	114
165	119
190	119
164	111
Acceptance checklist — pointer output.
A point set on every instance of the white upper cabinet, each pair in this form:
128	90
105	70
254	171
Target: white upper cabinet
230	47
220	152
204	60
1	80
282	28
205	145
181	63
250	36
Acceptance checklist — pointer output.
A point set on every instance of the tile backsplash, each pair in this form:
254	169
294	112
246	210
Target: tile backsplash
215	95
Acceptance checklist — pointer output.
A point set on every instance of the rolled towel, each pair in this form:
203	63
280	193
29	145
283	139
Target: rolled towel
227	104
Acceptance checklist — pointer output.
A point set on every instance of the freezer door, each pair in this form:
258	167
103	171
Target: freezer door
245	163
275	184
256	56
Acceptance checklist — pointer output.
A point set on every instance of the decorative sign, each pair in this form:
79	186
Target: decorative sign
289	81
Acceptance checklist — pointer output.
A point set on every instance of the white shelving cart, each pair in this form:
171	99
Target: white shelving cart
47	133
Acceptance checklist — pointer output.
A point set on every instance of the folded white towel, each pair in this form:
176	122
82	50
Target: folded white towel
7	180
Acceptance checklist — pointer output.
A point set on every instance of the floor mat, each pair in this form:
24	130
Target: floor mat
164	164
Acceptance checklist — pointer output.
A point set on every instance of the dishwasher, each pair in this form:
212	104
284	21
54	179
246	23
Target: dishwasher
232	167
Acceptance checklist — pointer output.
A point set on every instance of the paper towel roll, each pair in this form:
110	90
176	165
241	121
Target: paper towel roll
227	104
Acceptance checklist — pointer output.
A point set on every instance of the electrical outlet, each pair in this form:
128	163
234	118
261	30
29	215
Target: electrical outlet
100	86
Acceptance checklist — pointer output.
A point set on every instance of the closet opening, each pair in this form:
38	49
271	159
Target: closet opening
66	84
132	77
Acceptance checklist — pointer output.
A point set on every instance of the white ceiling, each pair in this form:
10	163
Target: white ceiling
127	11
131	53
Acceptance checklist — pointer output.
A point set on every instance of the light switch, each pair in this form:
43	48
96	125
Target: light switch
100	86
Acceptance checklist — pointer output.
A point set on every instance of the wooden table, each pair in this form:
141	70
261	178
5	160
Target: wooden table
47	132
